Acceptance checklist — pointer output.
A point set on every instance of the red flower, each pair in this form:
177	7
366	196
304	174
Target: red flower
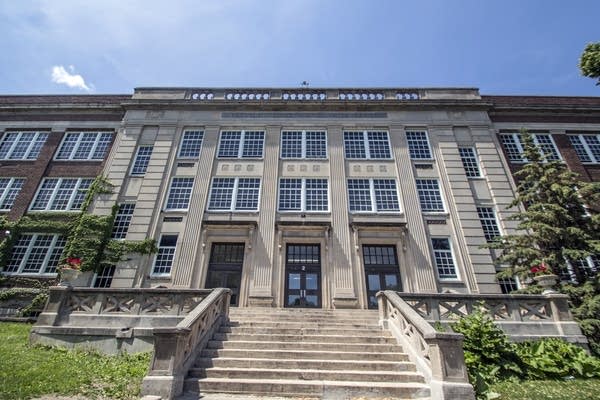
75	261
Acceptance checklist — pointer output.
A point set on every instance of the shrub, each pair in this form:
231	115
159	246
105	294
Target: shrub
584	301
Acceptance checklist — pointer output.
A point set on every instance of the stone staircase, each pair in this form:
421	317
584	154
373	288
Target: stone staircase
314	353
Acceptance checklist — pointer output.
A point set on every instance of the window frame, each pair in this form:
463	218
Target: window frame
373	197
182	140
136	158
191	189
516	137
154	274
586	147
455	278
430	150
46	259
304	146
241	144
303	197
493	218
30	147
444	209
75	148
117	215
9	188
475	158
54	194
365	144
234	194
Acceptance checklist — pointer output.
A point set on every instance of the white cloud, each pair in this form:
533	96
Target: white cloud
61	76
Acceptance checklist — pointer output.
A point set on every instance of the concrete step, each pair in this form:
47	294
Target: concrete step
327	346
292	387
302	331
276	323
301	363
305	354
307	374
305	338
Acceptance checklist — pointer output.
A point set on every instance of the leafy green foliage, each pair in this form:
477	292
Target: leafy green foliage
32	371
589	63
584	302
555	226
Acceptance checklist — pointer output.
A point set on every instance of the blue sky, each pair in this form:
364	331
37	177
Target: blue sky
502	47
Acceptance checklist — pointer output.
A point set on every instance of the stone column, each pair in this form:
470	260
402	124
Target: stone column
344	292
261	286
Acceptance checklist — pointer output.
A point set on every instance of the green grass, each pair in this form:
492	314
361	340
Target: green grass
30	371
581	389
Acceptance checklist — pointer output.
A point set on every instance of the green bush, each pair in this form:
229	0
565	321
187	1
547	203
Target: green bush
584	302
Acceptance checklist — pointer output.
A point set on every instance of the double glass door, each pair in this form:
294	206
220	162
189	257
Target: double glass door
303	275
225	268
381	270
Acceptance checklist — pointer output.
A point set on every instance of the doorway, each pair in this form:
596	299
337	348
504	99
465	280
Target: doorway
303	276
225	268
381	270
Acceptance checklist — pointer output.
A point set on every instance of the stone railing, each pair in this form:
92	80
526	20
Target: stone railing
176	348
438	355
303	94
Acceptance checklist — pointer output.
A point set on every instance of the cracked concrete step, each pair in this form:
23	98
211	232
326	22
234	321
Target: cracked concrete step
301	331
302	363
305	354
328	346
307	374
305	338
293	387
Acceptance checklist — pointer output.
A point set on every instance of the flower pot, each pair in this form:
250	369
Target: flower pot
546	282
68	276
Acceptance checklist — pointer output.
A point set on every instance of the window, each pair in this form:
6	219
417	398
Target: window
142	159
61	194
122	220
380	256
507	285
84	146
303	144
587	147
487	217
22	145
469	161
9	189
373	195
234	194
367	144
430	197
104	278
444	260
418	145
241	144
303	194
191	144
165	255
36	254
180	193
514	147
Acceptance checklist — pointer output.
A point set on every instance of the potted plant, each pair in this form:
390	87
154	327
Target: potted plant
70	270
544	277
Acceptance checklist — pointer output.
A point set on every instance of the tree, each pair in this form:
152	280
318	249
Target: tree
589	63
555	227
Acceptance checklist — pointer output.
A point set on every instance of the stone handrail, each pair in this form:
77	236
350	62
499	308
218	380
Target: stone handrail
438	355
176	348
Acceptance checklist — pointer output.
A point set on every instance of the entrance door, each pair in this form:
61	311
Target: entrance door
225	268
303	275
381	270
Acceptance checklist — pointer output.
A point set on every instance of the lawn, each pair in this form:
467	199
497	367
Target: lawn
31	371
582	389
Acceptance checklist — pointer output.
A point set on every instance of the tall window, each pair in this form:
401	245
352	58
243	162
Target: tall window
430	196
418	145
122	220
22	145
61	194
191	144
513	146
180	192
469	161
444	260
165	255
104	278
487	217
303	144
303	194
373	195
587	147
142	159
367	145
84	146
241	144
507	285
234	194
9	189
36	254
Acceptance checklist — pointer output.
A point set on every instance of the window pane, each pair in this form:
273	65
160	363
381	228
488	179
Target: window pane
510	146
9	189
469	161
386	196
165	255
547	146
290	194
291	144
359	195
354	145
430	197
229	144
379	145
594	145
489	224
316	145
418	145
253	144
191	144
122	221
247	194
180	193
580	148
221	194
317	195
66	189
443	258
142	159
